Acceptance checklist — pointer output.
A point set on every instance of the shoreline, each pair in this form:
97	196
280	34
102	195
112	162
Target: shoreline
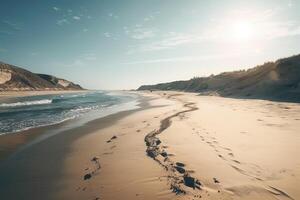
188	145
5	95
11	142
12	163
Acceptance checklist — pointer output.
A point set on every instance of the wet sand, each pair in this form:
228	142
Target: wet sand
176	146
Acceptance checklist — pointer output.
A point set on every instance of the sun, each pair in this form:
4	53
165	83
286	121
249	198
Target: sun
242	30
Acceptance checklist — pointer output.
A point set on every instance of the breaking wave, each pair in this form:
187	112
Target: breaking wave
27	103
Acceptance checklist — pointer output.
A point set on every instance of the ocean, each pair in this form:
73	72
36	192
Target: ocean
23	113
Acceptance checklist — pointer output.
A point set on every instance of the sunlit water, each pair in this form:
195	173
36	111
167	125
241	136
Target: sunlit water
22	113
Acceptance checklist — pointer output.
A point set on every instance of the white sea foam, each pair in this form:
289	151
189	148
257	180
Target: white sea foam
27	103
58	109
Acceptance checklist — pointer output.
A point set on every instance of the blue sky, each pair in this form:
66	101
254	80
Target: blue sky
110	44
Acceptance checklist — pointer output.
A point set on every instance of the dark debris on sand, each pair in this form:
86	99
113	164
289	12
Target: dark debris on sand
216	180
96	162
87	176
178	176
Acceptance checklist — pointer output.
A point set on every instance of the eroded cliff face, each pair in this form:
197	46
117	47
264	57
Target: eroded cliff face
5	76
14	78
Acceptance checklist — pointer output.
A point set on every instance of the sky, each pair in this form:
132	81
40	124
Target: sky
122	44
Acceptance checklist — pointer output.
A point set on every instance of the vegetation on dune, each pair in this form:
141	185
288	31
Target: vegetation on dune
278	80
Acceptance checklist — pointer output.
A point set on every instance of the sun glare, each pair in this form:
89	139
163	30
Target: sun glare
242	30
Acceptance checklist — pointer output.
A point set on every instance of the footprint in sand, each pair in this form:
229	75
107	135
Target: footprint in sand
107	153
95	161
238	169
231	154
220	156
236	161
228	149
111	139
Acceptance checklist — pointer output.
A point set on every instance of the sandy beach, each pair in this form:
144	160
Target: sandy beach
150	100
175	146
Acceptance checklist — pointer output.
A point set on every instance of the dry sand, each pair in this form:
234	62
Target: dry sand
197	146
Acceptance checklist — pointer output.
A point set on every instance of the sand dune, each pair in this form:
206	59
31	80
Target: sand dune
277	80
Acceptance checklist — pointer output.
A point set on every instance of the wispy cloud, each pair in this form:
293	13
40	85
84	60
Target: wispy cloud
265	25
126	30
62	22
5	32
75	63
142	30
76	17
170	40
113	16
69	16
55	8
139	32
83	60
279	30
11	25
184	59
149	18
221	30
9	28
142	33
90	56
107	34
111	36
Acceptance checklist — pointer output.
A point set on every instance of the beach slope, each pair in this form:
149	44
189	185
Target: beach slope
176	146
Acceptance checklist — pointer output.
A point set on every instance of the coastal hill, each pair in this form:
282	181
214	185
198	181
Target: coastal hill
279	80
14	78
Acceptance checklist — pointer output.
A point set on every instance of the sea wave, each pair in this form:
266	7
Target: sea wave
27	103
